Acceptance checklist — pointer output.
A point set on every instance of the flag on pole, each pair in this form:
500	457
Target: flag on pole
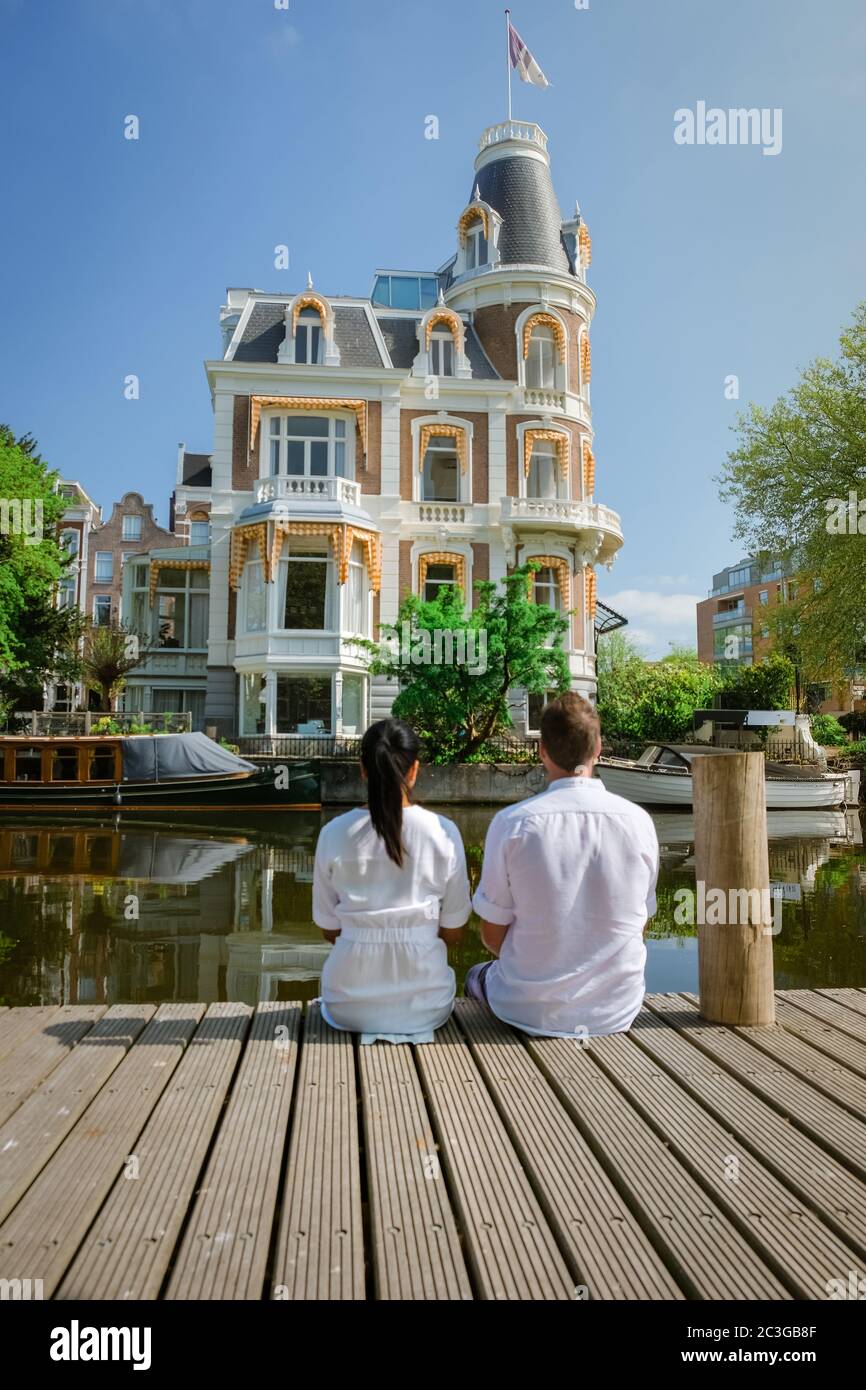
522	59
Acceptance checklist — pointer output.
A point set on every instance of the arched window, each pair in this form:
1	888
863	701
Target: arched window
541	359
308	336
542	479
440	474
437	569
199	529
545	588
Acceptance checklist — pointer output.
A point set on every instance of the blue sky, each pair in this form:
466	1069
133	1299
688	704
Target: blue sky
262	126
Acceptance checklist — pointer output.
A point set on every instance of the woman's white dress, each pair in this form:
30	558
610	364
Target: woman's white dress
388	974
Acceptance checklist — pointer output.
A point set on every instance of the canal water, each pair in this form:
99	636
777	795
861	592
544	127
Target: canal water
131	910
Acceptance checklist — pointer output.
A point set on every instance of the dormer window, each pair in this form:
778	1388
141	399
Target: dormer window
440	477
308	337
308	446
541	359
476	245
442	354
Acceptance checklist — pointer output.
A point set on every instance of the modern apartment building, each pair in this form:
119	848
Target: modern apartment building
733	625
436	432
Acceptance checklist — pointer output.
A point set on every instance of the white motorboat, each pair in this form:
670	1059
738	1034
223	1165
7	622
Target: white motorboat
662	776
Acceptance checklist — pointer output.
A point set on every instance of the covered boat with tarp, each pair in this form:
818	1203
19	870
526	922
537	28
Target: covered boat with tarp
172	772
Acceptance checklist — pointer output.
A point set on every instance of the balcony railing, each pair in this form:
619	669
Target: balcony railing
308	490
513	130
543	398
448	512
732	615
588	515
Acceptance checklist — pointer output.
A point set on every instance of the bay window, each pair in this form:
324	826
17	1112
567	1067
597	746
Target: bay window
308	446
180	615
355	618
304	705
306	585
256	610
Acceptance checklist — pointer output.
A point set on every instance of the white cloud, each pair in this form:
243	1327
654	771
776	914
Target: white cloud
656	620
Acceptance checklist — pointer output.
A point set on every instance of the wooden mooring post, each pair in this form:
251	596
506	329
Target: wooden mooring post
735	918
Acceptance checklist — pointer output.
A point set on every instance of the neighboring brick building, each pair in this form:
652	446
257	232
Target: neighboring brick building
437	432
733	626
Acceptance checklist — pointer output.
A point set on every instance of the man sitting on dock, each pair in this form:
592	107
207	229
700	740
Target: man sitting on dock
567	887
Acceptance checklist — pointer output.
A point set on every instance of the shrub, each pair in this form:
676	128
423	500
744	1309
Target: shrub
827	731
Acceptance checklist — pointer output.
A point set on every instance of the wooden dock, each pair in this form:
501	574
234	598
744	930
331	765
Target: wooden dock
193	1152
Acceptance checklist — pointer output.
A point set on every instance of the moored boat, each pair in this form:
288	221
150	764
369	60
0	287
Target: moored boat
168	772
662	776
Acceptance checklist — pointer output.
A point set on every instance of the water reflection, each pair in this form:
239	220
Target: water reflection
132	910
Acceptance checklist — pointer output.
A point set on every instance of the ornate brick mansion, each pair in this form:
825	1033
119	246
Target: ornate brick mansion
437	432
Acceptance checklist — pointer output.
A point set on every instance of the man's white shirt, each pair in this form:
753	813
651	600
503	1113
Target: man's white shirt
572	874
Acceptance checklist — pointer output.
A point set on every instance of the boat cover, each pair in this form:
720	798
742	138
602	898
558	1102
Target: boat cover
167	757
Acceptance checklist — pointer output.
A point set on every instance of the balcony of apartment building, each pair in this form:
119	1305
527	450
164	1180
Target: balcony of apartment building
732	613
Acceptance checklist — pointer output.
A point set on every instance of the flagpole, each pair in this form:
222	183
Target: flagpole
508	56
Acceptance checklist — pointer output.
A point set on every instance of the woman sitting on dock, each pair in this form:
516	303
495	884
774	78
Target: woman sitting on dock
390	890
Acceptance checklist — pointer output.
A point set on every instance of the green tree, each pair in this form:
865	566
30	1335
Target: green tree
790	478
37	640
109	654
769	685
646	700
506	641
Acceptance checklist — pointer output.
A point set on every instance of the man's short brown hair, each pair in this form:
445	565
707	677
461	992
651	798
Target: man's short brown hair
569	731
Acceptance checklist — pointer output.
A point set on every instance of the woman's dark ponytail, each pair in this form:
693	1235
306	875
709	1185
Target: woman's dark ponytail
388	750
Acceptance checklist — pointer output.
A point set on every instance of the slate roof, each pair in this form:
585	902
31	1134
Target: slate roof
401	340
197	470
265	330
521	190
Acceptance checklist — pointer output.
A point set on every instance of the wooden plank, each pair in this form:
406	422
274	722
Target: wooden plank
777	1227
835	1194
847	1021
852	998
839	1047
36	1129
129	1246
47	1226
415	1247
808	1063
224	1250
668	1161
38	1055
607	1252
320	1250
511	1250
17	1024
804	1105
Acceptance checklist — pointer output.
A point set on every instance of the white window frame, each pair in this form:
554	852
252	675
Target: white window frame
199	521
309	319
464	480
184	590
131	517
475	239
357	576
543	448
330	593
538	582
332	439
439	583
101	600
541	337
443	353
101	578
437	445
250	593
